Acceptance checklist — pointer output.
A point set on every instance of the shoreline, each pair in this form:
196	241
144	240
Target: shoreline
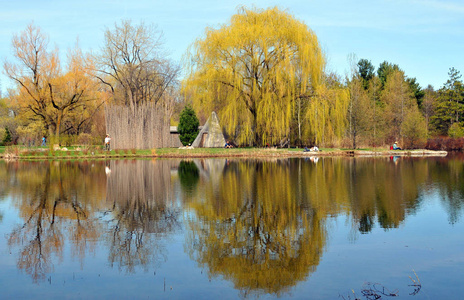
230	153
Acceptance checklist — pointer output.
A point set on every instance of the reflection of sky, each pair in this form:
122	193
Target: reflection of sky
8	270
10	215
424	242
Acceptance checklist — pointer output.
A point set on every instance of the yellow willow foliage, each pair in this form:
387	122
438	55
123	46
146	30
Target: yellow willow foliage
326	114
252	70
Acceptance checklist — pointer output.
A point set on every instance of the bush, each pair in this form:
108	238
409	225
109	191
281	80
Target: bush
67	140
444	143
188	126
84	139
456	131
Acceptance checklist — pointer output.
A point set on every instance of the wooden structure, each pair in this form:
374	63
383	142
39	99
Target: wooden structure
141	127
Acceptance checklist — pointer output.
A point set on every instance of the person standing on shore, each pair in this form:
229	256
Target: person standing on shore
107	142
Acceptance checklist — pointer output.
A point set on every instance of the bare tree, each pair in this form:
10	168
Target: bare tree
133	65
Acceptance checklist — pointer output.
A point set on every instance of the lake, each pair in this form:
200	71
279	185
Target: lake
299	228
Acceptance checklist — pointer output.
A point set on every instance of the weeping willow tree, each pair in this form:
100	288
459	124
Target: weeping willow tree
326	112
253	71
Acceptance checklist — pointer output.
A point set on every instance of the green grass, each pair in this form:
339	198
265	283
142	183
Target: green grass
97	152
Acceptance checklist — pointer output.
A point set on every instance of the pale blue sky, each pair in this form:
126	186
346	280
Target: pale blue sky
424	37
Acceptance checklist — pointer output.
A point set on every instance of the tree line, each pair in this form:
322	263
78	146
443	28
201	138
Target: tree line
263	72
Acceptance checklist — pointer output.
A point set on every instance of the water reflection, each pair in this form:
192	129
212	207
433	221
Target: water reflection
139	194
189	176
52	200
260	224
254	229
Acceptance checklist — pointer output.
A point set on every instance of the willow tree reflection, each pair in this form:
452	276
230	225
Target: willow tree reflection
47	197
252	228
139	193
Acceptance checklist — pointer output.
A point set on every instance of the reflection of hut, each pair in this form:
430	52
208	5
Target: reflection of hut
210	135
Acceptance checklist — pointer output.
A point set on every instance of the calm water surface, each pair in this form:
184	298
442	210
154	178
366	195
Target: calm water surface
327	228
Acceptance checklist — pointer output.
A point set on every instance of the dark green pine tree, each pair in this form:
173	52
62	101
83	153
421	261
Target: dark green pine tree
7	138
450	104
366	71
188	125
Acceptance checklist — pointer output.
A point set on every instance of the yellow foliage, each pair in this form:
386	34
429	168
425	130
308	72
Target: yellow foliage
46	91
252	70
326	114
399	100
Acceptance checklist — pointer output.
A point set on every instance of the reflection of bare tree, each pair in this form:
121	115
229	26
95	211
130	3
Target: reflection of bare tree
139	193
35	256
254	230
49	205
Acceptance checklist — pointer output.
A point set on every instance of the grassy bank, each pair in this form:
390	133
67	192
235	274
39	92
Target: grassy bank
18	152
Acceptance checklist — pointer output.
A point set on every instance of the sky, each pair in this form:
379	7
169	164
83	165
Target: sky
424	37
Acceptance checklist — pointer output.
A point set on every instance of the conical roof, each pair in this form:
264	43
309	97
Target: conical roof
210	135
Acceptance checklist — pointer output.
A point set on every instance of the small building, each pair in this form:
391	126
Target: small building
174	137
210	135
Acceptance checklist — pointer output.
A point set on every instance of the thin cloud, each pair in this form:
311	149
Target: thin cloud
442	5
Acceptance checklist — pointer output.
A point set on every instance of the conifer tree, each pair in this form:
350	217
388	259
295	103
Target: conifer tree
188	125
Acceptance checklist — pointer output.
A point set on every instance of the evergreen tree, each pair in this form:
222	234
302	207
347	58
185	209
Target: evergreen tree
366	71
7	138
419	93
450	103
384	70
188	125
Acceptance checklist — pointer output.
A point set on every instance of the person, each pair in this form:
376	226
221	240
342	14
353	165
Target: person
312	149
107	142
228	145
396	147
44	141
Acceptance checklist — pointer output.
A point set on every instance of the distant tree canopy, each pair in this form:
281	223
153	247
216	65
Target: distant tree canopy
385	107
253	71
